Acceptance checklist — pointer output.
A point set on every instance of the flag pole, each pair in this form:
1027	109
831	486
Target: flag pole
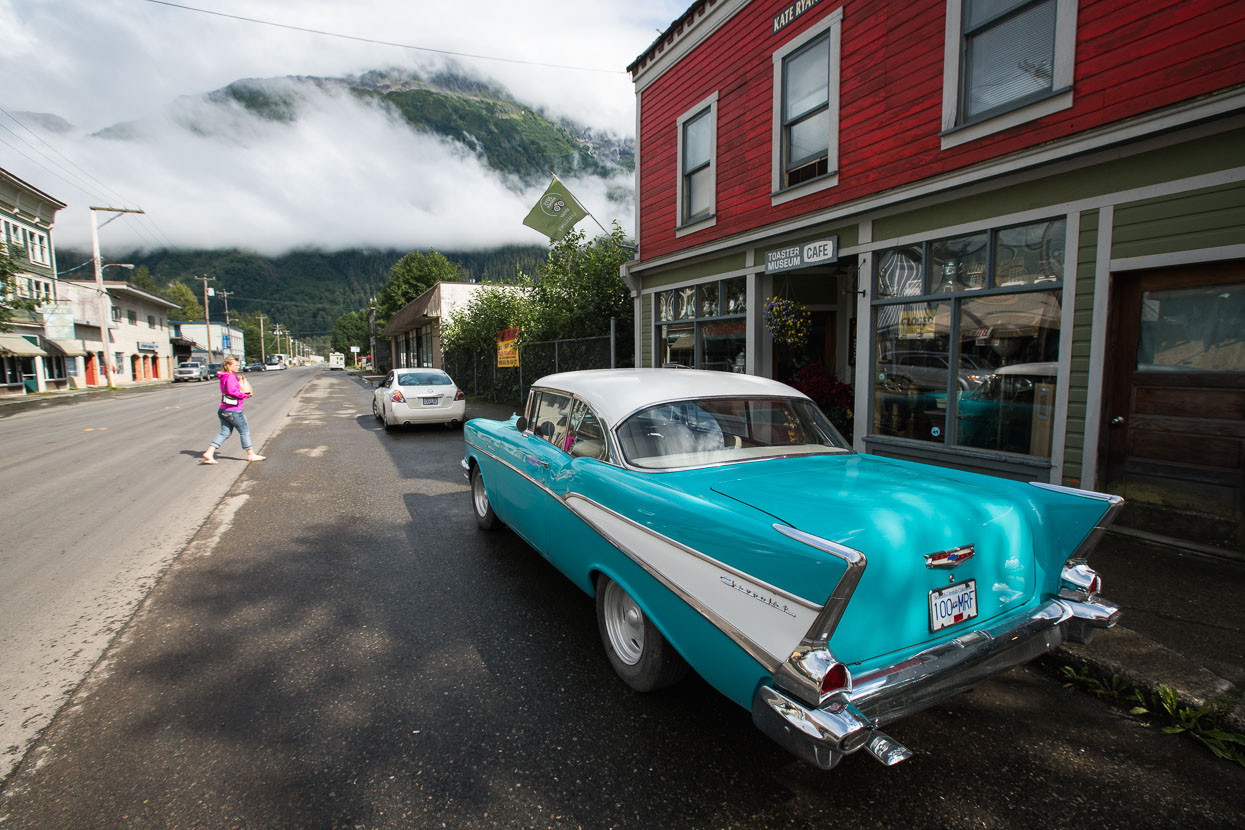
608	235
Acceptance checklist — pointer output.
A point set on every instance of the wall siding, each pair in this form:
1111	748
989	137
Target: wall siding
1208	218
1082	331
891	98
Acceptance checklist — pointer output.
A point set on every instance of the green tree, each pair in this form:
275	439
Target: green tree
11	258
350	330
579	287
492	309
411	276
188	307
141	277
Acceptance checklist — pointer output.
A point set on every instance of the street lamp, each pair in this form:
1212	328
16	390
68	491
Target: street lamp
105	308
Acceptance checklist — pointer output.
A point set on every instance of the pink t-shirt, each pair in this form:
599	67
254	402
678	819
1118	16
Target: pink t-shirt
230	385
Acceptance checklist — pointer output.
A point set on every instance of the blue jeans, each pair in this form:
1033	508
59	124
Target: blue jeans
229	421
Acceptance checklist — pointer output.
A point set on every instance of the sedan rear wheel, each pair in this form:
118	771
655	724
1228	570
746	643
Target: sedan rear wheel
485	517
376	411
638	652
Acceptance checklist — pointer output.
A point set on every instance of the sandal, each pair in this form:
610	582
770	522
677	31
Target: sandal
256	458
205	460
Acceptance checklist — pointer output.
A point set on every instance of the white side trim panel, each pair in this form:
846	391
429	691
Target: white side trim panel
770	619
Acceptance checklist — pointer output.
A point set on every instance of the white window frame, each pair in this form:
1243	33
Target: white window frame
954	133
832	24
709	220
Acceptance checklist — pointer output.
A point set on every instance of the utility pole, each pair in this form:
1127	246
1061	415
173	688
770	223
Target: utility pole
261	337
104	306
207	318
228	332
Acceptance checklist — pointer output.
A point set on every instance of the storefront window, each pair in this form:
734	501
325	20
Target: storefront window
665	306
679	346
715	336
967	339
901	273
709	300
910	386
723	345
959	264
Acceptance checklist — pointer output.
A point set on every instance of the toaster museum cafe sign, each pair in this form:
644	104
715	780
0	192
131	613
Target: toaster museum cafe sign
804	255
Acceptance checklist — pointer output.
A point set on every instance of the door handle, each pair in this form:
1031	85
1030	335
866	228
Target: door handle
537	462
1118	421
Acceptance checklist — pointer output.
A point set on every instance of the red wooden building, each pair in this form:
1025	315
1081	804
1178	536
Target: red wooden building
1017	228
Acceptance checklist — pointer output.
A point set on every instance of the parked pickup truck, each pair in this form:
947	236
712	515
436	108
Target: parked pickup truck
190	370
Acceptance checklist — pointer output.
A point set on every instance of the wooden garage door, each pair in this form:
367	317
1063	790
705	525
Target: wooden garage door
1174	413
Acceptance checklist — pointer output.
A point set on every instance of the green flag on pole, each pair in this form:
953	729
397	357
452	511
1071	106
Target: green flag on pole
556	213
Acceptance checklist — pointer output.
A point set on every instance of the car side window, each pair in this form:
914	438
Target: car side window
586	438
552	421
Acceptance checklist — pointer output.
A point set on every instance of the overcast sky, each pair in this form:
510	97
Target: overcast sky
346	175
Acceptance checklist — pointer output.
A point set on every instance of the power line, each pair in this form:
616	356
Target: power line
384	42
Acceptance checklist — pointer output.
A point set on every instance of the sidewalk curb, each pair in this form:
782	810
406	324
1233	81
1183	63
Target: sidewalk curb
1147	665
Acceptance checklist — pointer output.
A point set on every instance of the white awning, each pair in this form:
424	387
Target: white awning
68	348
16	344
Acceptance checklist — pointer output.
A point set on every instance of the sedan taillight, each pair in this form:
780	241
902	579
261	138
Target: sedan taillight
459	396
398	396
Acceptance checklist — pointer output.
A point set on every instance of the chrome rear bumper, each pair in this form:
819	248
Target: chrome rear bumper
821	736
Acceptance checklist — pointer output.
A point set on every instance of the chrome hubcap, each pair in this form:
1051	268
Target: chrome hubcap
478	494
624	623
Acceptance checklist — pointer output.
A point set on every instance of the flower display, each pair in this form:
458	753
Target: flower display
786	321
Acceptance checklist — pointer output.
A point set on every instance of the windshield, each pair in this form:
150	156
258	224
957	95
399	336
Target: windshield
722	430
424	379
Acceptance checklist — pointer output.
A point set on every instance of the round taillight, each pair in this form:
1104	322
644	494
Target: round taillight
398	397
836	679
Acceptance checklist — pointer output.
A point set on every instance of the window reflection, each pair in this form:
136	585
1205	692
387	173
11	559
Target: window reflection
678	346
901	273
1193	330
912	363
723	345
1030	254
959	264
1010	344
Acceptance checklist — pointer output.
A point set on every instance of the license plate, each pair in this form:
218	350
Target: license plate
951	605
431	401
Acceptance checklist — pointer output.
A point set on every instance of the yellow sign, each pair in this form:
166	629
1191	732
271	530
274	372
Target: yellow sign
916	324
507	348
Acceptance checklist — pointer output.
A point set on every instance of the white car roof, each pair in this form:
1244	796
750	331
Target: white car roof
616	393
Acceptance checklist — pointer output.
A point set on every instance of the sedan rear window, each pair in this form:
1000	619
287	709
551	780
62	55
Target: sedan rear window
424	379
721	430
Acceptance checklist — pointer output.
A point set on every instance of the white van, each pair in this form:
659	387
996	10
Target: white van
337	360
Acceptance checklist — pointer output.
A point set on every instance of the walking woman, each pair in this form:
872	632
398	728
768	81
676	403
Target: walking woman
233	391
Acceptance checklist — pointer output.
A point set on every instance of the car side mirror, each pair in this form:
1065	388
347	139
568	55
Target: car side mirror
521	424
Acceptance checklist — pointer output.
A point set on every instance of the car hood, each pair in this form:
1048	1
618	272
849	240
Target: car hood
896	513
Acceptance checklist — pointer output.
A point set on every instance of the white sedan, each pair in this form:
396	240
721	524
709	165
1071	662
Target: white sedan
418	396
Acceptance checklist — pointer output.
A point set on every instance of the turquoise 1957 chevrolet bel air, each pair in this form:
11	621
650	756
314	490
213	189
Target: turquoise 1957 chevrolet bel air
723	524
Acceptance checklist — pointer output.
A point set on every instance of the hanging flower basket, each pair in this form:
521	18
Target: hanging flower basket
786	321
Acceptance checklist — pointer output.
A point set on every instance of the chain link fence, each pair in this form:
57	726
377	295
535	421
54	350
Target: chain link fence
478	374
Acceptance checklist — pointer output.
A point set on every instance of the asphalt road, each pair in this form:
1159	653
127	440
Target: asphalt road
99	496
338	646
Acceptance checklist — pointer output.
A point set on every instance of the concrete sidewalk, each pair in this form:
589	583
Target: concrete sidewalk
1183	622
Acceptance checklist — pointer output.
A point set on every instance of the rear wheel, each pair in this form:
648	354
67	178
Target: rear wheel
638	652
485	517
376	411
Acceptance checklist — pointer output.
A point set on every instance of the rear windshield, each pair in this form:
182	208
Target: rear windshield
722	430
424	379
